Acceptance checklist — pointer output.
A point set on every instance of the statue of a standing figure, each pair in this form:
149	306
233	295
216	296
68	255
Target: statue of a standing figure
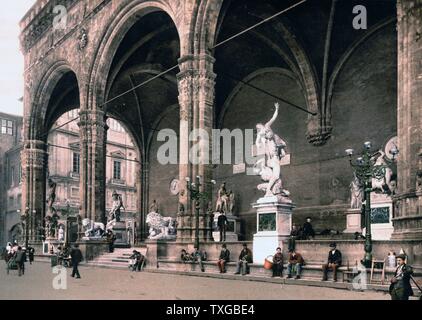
356	193
231	202
115	213
51	195
221	203
272	148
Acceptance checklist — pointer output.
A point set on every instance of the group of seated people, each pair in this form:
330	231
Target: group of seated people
296	262
294	265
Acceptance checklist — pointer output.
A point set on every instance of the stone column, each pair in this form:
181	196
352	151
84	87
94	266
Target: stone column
407	219
142	177
196	82
93	133
34	158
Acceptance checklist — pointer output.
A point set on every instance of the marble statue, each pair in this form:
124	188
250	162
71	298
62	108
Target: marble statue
383	184
272	149
221	202
160	227
51	195
93	229
61	233
356	192
231	202
114	214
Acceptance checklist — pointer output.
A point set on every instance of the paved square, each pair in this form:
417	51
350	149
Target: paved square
101	284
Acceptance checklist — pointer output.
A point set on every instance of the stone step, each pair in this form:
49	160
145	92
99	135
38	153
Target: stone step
313	271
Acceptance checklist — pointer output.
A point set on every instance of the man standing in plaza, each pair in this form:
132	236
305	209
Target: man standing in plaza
223	259
245	257
334	262
400	288
76	257
111	238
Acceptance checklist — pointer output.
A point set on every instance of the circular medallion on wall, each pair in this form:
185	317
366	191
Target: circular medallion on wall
174	187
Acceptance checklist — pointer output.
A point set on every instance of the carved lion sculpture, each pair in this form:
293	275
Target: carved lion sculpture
92	228
160	227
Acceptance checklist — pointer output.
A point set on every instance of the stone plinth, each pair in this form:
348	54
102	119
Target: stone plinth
232	231
120	231
274	224
92	248
381	216
353	221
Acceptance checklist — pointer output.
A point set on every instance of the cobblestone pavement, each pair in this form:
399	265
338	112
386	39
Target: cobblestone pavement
97	283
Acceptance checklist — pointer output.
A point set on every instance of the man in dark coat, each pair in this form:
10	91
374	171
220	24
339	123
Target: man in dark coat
295	262
400	288
222	226
199	256
31	252
111	238
20	257
334	262
278	263
76	257
308	230
223	259
245	257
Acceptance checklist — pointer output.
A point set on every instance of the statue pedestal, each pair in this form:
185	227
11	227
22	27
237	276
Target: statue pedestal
232	231
274	224
120	231
381	216
353	221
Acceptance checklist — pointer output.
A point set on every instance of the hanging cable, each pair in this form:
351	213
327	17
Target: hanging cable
215	46
267	93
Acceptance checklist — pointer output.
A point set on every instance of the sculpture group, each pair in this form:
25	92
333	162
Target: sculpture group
271	149
160	227
225	200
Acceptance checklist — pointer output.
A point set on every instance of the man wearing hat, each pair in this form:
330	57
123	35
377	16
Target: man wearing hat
223	259
400	288
245	257
334	262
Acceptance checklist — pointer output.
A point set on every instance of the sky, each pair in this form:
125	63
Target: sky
11	58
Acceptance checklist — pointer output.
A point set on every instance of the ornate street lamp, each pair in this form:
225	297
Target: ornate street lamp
365	169
196	196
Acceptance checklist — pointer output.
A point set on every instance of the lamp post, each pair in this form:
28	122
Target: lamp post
196	195
365	169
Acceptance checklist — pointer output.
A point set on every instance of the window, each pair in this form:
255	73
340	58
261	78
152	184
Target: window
117	168
6	127
20	173
74	192
76	163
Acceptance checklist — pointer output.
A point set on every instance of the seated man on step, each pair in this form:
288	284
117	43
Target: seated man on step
334	262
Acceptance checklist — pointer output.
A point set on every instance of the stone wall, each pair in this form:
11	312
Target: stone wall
363	107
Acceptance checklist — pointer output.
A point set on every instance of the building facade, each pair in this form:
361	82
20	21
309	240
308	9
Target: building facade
64	170
10	170
166	64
